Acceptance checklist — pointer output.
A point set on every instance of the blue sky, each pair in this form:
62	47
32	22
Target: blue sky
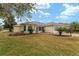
56	12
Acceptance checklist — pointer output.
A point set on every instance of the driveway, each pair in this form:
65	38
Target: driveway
75	34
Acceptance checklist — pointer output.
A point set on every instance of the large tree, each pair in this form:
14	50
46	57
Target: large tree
9	11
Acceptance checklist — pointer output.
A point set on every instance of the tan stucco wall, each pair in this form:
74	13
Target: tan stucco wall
18	28
49	29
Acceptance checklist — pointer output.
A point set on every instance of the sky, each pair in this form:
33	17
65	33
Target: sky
56	12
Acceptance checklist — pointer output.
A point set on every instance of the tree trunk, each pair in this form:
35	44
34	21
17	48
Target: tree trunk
11	28
60	33
70	33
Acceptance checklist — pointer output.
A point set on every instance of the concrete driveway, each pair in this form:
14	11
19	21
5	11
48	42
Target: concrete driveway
75	34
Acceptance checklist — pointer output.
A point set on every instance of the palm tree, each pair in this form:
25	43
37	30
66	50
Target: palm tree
6	12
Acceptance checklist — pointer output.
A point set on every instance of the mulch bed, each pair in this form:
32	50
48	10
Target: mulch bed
17	34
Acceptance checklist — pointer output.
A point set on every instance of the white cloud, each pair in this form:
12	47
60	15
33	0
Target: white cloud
44	13
42	5
66	5
62	16
69	11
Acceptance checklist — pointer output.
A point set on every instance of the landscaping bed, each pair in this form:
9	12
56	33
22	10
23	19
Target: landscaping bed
17	34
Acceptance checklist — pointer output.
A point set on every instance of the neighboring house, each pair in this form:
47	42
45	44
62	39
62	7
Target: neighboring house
39	27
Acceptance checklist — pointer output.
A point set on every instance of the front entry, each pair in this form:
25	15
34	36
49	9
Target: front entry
30	29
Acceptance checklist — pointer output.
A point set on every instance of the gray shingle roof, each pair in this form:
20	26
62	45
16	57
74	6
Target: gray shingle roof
34	23
48	24
56	24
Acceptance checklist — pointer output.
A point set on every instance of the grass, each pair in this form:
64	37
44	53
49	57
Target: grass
38	45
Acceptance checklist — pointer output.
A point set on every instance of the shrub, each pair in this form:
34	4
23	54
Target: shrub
60	30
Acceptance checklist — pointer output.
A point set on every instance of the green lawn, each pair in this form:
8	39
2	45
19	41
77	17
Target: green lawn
38	45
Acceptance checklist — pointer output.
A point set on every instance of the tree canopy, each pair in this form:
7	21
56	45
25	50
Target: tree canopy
9	11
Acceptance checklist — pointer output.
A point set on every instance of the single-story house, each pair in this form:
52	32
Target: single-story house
39	27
